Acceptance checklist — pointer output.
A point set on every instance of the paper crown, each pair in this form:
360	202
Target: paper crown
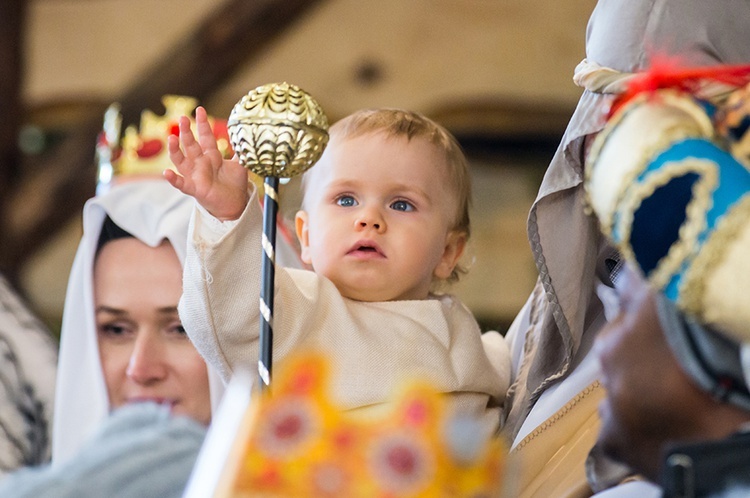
143	152
668	179
295	442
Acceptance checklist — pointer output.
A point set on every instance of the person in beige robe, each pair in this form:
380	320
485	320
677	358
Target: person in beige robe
551	413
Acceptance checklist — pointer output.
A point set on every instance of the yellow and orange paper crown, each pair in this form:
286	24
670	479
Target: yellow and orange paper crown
143	152
294	441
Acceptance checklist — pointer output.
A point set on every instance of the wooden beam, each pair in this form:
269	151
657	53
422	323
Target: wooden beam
504	120
12	13
12	16
238	31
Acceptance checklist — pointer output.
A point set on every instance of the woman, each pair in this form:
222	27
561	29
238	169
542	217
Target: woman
121	338
133	395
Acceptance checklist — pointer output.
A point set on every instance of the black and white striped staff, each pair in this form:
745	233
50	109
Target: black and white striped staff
278	131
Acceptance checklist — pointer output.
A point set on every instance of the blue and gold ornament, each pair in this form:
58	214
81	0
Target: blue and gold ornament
669	180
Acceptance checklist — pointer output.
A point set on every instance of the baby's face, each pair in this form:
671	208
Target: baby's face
378	217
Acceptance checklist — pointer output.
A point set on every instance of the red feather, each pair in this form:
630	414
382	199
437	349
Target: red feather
666	72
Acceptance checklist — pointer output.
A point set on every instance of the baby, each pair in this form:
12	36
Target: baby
383	222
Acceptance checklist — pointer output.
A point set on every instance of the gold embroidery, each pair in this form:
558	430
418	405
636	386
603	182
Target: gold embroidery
695	221
558	415
694	124
711	255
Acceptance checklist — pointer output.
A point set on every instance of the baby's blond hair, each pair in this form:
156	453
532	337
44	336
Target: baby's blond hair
410	124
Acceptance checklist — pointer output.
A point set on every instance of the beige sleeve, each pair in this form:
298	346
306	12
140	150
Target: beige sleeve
221	289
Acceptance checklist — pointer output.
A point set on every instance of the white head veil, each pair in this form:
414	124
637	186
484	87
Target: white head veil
150	210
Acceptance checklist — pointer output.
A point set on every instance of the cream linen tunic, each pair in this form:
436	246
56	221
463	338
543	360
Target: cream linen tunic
374	346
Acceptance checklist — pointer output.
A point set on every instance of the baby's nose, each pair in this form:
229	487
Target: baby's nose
370	218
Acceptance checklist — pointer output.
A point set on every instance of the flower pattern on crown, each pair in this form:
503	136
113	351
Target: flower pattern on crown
143	151
297	442
669	180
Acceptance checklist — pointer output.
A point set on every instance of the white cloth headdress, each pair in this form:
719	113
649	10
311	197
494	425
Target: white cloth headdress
150	210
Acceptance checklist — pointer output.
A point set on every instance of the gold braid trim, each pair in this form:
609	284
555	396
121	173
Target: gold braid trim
695	212
695	124
712	254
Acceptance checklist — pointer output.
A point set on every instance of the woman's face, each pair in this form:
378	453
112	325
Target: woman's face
144	351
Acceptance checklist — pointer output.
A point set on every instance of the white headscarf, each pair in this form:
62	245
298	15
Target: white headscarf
151	211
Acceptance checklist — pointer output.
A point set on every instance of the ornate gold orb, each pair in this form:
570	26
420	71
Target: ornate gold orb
278	130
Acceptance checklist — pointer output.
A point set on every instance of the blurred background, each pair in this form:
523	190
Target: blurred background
497	73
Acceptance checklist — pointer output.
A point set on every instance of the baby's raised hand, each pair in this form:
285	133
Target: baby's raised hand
218	184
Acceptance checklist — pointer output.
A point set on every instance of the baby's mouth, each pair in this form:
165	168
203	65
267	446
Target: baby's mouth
366	249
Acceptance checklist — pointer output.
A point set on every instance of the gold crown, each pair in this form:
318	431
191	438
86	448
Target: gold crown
143	151
294	441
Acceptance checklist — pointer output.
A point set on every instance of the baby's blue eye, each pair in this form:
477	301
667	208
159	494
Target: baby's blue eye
346	201
402	206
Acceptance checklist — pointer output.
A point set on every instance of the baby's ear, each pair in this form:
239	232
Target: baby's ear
455	242
300	223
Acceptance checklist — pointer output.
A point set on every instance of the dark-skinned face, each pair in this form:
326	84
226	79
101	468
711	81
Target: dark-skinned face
649	399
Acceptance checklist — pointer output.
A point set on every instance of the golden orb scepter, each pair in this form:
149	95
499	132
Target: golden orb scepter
278	131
